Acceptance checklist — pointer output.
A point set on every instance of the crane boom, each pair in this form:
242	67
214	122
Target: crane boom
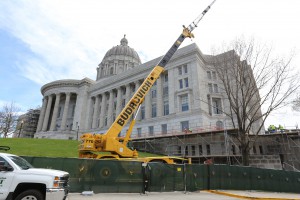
109	141
187	32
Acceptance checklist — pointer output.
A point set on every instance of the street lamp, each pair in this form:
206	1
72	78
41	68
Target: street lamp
77	131
21	126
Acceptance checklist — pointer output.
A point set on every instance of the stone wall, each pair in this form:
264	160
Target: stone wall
265	161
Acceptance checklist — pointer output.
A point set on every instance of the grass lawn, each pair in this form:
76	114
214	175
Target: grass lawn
45	147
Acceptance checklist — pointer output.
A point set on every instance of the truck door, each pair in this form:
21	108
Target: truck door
6	178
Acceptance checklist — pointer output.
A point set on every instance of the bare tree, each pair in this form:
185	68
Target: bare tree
296	103
8	119
255	84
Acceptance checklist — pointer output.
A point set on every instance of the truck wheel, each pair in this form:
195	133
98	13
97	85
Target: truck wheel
30	195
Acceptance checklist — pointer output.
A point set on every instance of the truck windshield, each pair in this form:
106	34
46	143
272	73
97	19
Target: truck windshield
20	162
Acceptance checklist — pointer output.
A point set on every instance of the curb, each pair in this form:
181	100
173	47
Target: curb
247	197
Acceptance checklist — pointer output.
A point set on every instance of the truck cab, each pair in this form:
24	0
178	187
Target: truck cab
20	180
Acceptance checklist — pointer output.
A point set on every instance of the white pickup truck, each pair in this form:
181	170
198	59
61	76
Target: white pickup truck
20	181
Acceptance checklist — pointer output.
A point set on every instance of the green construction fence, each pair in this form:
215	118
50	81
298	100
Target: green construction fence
111	176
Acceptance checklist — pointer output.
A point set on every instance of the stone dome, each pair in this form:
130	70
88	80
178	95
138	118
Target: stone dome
123	50
118	59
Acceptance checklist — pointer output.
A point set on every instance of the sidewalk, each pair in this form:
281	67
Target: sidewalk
243	194
203	195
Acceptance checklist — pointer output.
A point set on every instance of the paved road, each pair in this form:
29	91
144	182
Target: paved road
203	195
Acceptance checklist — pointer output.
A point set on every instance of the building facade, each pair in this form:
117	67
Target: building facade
187	96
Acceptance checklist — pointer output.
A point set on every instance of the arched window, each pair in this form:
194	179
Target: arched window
219	125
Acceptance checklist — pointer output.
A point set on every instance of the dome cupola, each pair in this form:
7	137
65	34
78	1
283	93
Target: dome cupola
118	59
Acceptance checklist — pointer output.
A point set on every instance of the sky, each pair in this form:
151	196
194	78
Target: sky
47	40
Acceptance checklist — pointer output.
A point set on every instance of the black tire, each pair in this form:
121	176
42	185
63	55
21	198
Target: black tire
30	195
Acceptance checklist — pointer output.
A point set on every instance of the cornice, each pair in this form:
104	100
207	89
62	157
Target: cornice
67	83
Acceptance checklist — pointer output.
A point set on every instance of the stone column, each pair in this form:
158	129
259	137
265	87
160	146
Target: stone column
42	115
172	89
119	100
55	110
47	115
127	95
75	116
110	108
148	107
65	113
159	102
88	114
95	115
103	110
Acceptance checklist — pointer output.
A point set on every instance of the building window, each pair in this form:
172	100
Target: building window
216	90
183	83
200	150
186	152
154	110
219	124
213	88
217	107
184	125
185	69
179	70
179	150
210	88
193	150
166	78
184	103
209	104
208	74
111	70
186	82
180	84
165	91
143	112
182	69
151	130
164	128
153	94
207	149
214	75
139	132
166	108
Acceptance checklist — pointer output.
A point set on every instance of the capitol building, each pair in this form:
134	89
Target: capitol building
187	96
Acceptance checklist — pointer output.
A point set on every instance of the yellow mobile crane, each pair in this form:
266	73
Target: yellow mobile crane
116	147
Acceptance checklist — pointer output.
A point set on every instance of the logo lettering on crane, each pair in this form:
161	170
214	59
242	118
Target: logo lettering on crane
126	112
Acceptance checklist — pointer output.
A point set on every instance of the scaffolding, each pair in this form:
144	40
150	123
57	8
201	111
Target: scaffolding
202	144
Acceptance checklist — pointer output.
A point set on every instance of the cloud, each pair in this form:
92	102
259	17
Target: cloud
56	51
